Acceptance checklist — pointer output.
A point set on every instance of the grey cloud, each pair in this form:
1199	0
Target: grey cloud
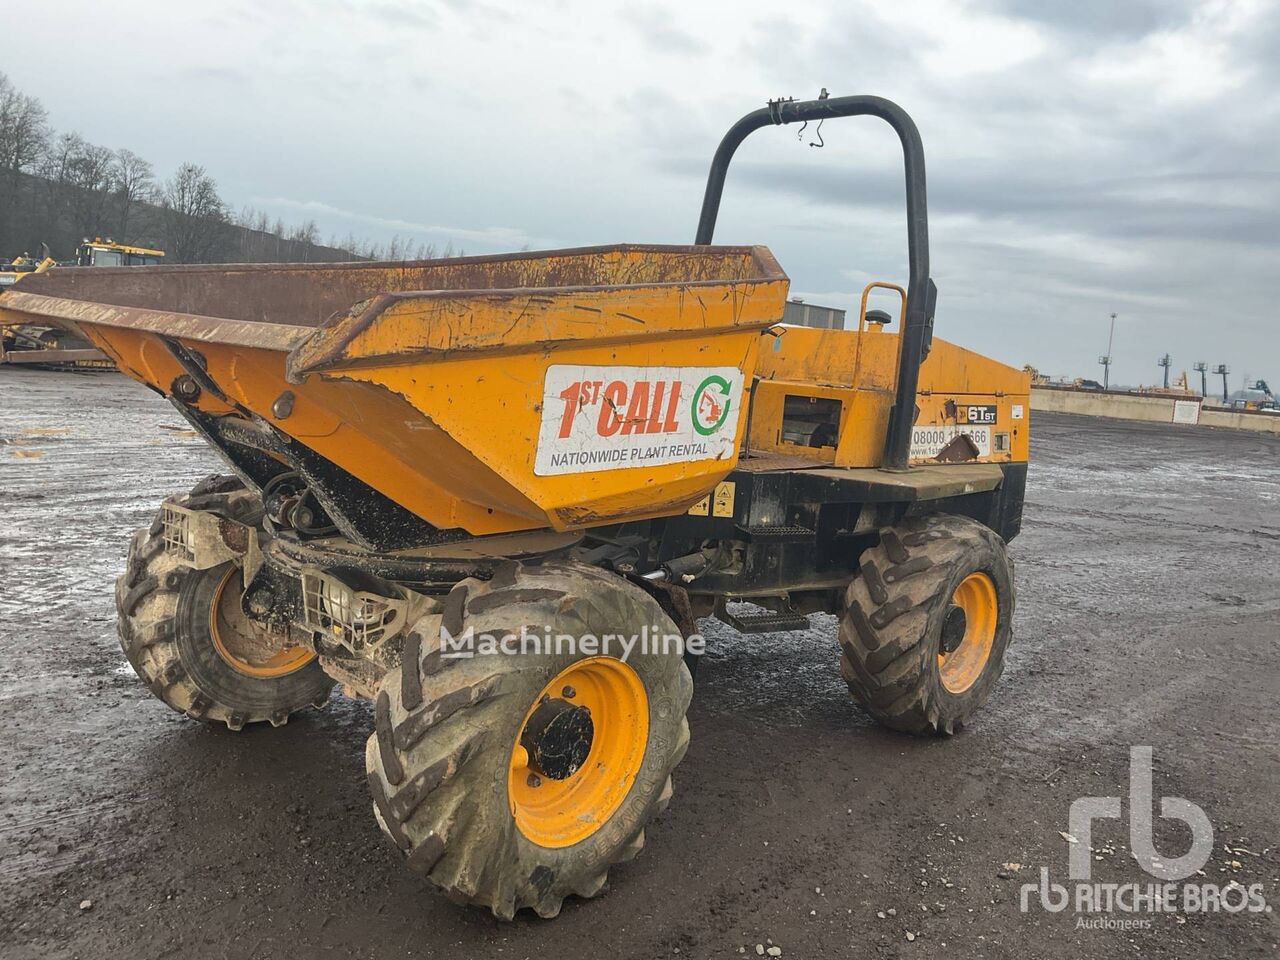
1100	20
1103	207
216	75
414	16
660	34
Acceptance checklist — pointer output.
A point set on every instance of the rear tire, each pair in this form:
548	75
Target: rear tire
926	623
448	783
171	620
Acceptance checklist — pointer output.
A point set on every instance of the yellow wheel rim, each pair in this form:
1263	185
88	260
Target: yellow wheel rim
241	643
976	598
561	812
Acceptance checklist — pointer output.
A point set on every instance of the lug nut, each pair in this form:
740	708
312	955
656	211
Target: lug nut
283	405
534	780
568	693
186	388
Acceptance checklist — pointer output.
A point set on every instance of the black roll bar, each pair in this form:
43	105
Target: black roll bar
917	331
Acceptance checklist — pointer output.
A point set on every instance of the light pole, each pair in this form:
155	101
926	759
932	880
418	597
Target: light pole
1166	361
1105	360
1223	369
1202	368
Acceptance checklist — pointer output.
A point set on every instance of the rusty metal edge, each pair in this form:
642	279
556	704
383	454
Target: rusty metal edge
260	334
326	354
765	261
339	365
330	356
52	356
293	339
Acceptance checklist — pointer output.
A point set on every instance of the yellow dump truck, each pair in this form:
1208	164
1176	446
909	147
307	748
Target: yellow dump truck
494	495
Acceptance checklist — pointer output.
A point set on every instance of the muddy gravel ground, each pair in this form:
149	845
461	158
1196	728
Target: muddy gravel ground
1148	575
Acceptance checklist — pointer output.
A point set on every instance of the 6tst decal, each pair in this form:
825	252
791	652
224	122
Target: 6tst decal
611	418
977	413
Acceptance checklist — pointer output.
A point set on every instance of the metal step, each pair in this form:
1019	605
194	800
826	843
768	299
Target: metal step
767	621
776	534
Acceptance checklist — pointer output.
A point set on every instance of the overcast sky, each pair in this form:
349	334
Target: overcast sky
1084	157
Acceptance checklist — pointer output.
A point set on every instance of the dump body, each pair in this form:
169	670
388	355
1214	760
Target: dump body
487	394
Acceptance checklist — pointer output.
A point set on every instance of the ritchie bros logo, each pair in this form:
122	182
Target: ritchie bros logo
1164	896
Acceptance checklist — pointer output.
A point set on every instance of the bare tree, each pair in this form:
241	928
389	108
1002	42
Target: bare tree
195	218
78	180
303	240
60	187
23	134
22	128
250	239
134	181
57	173
92	183
262	228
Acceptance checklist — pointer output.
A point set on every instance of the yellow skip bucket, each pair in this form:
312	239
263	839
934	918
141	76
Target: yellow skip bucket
567	388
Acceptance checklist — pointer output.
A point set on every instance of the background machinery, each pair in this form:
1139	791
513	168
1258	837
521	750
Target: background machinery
1255	396
61	345
107	253
442	468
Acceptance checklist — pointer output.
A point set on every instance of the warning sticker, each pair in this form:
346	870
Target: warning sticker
723	502
927	442
612	418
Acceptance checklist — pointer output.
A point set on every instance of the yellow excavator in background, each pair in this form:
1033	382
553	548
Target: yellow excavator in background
107	253
55	346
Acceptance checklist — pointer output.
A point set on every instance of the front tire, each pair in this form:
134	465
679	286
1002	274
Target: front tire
926	623
185	636
496	815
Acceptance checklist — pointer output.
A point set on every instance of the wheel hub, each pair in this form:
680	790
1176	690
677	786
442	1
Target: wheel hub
578	751
242	643
968	633
558	738
953	629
